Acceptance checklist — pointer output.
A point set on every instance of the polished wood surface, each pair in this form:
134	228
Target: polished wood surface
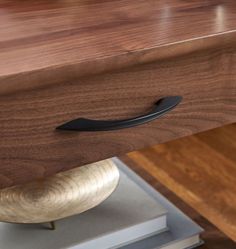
46	42
213	237
31	148
65	194
201	170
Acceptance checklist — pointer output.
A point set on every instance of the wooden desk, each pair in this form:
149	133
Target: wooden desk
108	60
62	60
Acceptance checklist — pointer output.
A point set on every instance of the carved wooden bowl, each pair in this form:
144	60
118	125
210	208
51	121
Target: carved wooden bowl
65	194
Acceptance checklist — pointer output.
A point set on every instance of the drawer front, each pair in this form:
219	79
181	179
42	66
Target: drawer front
31	147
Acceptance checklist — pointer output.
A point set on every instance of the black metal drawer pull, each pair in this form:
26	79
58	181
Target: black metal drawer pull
161	107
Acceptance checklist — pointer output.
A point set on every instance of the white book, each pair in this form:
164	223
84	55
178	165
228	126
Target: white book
182	233
166	240
130	215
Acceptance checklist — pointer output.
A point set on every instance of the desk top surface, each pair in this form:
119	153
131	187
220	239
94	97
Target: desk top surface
83	37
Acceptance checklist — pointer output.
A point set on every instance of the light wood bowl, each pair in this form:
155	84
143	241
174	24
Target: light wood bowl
65	194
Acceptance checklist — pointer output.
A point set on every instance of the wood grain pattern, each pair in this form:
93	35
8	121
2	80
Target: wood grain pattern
47	42
30	148
200	169
213	237
65	194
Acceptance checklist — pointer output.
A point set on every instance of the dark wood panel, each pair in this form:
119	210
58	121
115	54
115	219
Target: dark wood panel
212	236
46	42
200	169
30	147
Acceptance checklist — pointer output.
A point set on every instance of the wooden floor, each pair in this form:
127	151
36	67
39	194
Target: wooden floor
201	170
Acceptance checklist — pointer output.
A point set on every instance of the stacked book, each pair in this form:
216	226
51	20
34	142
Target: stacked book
135	216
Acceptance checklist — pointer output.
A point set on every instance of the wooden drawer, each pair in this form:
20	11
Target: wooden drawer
31	147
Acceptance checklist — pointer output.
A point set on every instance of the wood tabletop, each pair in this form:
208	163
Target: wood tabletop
47	41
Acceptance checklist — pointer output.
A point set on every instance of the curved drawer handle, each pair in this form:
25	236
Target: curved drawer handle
161	107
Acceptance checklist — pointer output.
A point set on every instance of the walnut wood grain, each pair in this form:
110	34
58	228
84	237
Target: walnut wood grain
31	148
212	236
46	42
200	169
